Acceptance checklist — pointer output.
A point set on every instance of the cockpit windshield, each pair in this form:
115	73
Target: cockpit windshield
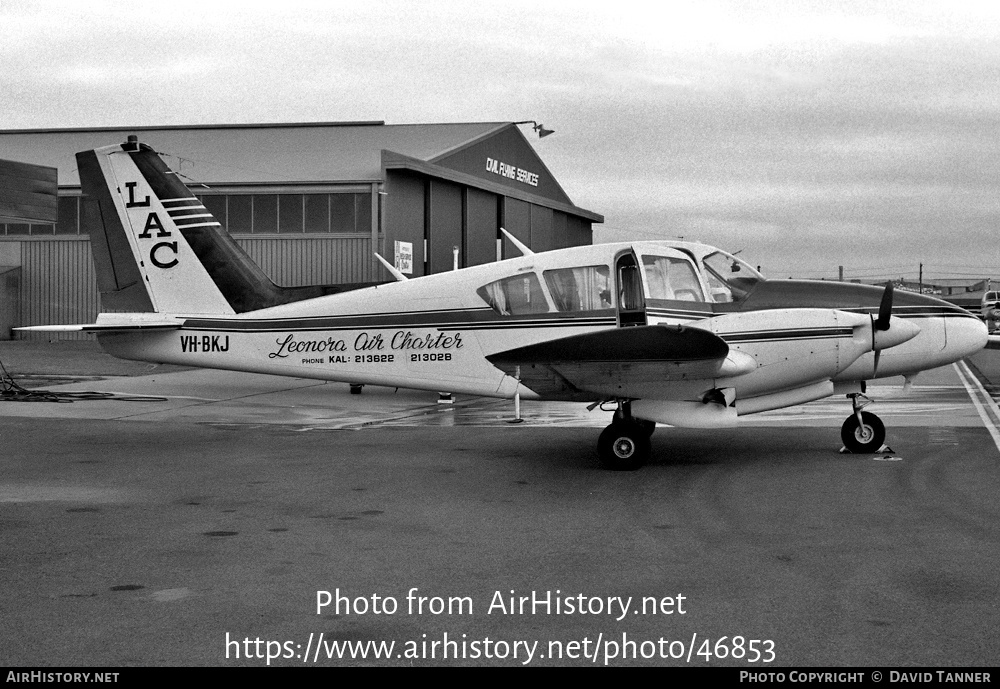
729	278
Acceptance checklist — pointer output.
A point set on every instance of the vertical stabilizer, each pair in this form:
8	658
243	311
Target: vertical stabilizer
139	215
158	249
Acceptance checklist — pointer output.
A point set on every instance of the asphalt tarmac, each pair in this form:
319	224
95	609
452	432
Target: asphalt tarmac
204	526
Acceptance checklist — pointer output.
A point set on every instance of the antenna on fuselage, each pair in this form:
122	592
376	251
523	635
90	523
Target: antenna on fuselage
517	242
391	268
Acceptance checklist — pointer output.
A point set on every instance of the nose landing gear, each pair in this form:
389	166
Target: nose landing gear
624	445
862	432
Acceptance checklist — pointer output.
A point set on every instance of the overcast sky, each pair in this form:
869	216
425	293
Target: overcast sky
807	134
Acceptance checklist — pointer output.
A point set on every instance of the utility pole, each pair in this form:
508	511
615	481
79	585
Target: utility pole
921	278
840	273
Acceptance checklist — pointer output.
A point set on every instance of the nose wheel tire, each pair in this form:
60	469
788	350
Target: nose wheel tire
623	446
864	438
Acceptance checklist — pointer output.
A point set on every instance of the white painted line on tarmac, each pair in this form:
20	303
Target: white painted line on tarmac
987	408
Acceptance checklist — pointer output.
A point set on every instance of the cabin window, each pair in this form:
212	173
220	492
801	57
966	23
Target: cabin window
672	278
516	295
580	289
729	278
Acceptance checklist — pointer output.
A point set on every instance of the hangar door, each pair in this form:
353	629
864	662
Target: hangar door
462	217
480	227
444	227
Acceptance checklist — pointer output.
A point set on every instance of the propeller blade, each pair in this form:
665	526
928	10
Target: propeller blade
884	309
878	353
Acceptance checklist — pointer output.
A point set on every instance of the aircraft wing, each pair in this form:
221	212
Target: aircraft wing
613	362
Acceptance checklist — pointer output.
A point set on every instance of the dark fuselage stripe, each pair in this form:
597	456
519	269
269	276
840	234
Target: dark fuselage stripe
486	319
236	326
443	319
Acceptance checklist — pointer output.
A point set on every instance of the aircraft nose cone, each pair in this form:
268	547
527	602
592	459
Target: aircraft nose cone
965	336
900	331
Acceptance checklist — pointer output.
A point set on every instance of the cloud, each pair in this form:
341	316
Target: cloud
835	124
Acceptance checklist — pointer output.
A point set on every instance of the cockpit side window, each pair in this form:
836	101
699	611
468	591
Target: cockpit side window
672	278
580	289
729	279
515	295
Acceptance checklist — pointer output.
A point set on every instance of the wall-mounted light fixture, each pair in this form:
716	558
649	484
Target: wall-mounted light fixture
540	129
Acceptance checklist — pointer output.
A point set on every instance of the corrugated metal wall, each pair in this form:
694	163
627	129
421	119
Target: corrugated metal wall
58	285
312	260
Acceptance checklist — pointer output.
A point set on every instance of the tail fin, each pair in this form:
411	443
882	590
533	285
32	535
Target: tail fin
139	219
158	249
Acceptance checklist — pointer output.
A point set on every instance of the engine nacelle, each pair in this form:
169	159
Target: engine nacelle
795	348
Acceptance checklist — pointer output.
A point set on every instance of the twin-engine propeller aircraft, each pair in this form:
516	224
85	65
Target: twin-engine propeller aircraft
668	332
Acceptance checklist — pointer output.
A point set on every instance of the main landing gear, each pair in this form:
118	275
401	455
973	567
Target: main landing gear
624	445
862	432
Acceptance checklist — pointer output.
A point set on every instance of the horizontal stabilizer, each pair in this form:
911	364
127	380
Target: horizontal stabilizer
101	327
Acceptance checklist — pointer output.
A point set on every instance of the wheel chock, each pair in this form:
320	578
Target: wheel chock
884	450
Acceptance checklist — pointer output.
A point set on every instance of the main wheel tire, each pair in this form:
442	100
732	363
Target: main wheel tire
865	438
623	447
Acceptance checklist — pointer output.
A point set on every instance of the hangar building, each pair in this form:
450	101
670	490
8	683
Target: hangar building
310	203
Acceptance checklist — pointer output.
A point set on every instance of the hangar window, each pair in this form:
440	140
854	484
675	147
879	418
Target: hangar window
290	213
516	295
363	217
344	213
317	212
672	278
579	289
69	215
240	214
350	213
337	213
216	205
265	213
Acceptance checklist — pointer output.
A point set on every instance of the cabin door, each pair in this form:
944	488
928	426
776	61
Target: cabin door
631	302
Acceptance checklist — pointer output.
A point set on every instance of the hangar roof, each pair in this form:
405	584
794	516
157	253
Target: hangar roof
249	154
311	153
